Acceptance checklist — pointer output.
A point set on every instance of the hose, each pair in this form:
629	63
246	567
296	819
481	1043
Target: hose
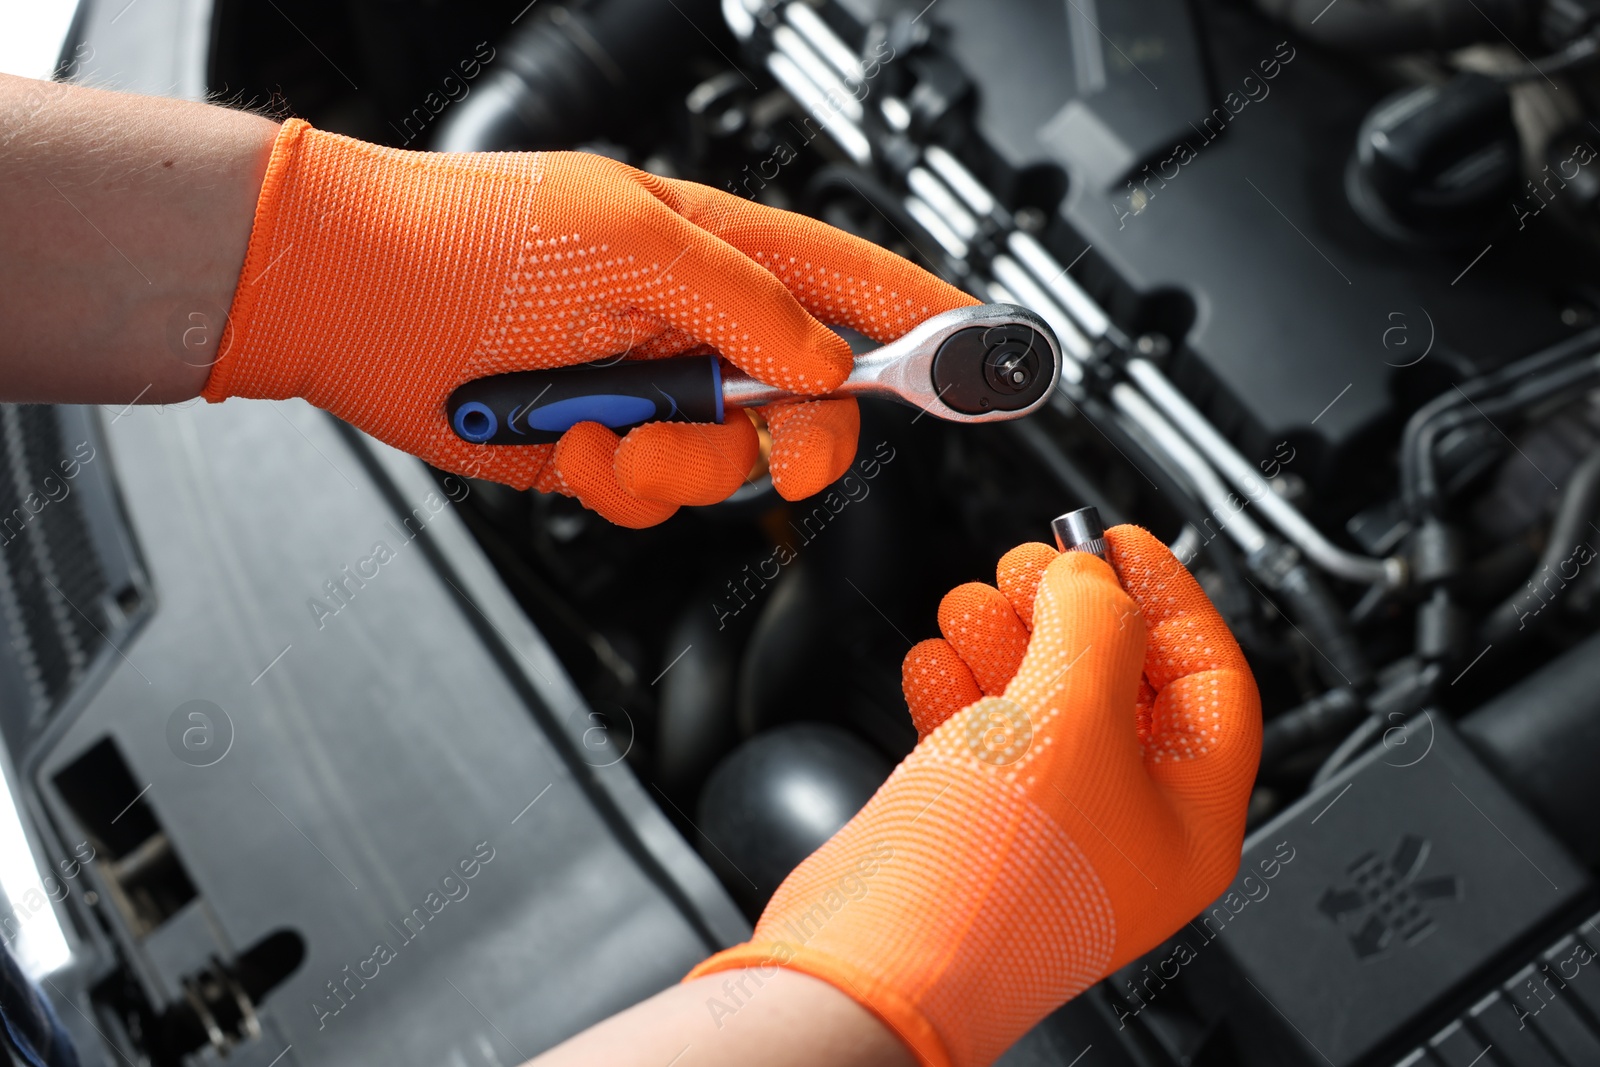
1405	687
1526	394
1578	53
1221	457
1580	501
1395	702
1320	618
1312	722
1398	27
1351	747
1414	444
562	74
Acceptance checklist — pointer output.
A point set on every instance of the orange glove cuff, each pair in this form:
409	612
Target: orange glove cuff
257	260
872	993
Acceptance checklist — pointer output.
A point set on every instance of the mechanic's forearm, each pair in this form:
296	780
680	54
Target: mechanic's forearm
781	1019
123	226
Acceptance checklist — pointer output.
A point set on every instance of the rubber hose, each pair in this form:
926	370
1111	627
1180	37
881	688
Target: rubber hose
559	76
1405	688
1315	720
1411	440
1351	747
1321	618
1580	502
1525	395
1395	28
696	719
1398	700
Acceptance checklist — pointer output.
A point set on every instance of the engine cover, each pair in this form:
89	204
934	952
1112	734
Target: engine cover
1359	912
1204	158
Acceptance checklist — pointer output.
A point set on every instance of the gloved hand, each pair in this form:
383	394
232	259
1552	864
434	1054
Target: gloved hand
1033	842
377	280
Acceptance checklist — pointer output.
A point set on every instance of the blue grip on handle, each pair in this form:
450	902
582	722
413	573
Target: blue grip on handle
537	407
608	409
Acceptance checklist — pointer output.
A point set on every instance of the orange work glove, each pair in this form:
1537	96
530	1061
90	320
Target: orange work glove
1033	842
377	280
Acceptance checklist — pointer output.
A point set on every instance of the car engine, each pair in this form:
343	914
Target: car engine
1326	278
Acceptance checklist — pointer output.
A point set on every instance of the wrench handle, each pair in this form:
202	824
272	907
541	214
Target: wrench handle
980	363
538	406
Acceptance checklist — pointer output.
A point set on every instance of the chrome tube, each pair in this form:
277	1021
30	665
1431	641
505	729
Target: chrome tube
939	197
959	178
1031	254
821	74
846	134
1213	492
930	220
1282	514
840	56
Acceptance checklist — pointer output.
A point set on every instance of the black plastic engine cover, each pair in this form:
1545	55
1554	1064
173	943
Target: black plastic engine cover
1205	157
1365	918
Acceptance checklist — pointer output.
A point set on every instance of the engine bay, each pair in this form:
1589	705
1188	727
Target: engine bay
1325	278
1323	336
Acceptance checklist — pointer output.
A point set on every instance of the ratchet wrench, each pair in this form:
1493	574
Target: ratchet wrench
985	363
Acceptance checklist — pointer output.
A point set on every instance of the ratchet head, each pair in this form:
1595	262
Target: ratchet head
998	364
985	363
